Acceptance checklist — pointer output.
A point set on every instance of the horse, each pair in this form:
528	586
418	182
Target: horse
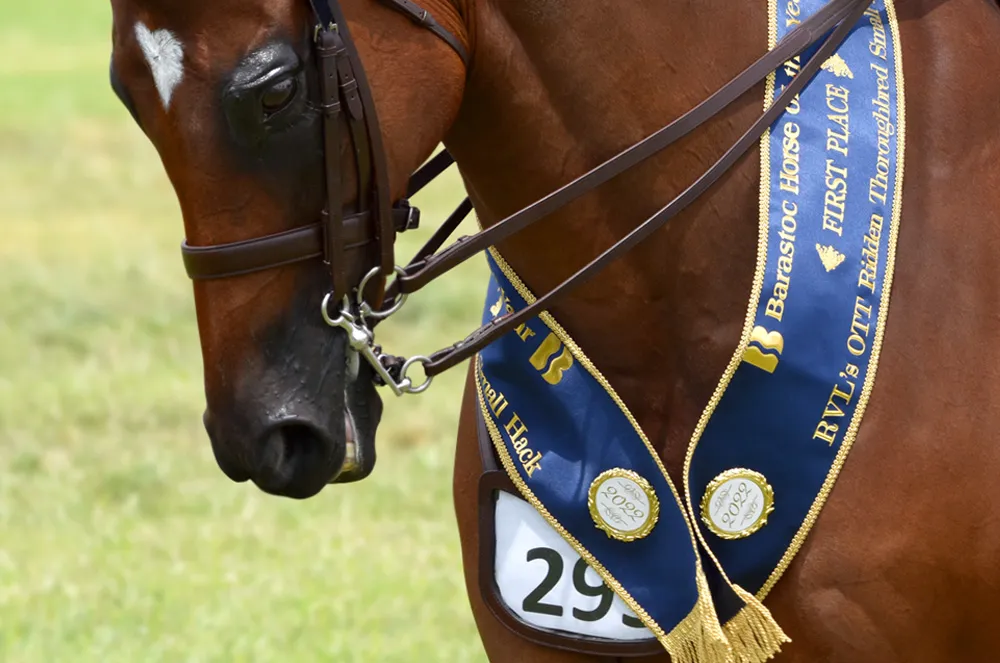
527	96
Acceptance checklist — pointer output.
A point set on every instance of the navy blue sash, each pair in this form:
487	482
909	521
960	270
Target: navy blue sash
790	404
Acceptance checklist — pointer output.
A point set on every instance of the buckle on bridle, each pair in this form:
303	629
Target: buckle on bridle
412	221
319	28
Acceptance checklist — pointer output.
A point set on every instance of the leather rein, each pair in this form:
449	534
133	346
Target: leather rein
350	239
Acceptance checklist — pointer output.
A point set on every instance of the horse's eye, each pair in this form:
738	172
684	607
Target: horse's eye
278	96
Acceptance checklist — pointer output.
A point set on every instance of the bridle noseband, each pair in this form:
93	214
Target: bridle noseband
345	241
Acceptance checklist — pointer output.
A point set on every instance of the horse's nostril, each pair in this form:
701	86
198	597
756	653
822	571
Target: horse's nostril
298	439
296	460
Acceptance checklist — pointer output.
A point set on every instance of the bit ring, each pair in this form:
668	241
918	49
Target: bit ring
404	380
344	316
366	310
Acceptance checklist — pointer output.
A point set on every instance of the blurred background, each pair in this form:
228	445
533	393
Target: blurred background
120	540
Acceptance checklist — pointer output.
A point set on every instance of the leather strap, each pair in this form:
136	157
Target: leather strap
854	9
330	50
444	231
355	83
436	241
426	173
284	248
423	18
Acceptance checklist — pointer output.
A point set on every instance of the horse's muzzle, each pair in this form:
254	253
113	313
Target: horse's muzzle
290	457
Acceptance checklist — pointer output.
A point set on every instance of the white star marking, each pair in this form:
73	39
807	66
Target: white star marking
165	57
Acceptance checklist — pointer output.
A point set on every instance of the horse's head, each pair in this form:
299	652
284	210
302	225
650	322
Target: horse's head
270	116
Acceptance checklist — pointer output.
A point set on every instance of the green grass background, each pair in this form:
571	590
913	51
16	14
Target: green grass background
120	540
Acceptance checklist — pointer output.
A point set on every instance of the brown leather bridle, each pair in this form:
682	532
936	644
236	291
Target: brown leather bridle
349	240
344	95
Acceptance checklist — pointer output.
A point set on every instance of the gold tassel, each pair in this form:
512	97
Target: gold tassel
699	638
754	635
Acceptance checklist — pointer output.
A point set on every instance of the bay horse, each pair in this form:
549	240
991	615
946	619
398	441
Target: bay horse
528	95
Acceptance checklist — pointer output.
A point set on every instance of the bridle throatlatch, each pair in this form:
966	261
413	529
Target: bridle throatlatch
357	243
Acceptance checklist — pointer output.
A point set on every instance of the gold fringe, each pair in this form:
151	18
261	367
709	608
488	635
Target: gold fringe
699	637
753	633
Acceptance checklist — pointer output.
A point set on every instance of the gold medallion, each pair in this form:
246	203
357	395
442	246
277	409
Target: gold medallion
623	504
737	503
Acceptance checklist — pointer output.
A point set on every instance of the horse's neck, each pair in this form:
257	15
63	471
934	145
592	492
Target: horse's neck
558	87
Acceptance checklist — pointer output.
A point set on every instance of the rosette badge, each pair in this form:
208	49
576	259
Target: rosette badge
737	503
623	504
